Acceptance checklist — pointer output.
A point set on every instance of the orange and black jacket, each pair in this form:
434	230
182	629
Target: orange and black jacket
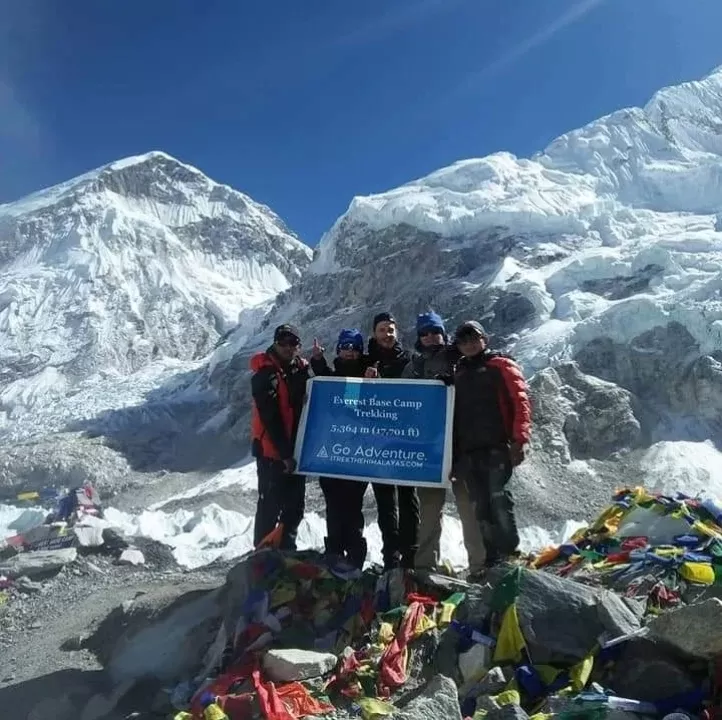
492	405
278	391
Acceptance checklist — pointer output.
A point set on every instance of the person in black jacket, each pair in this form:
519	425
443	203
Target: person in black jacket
344	498
398	506
278	387
492	426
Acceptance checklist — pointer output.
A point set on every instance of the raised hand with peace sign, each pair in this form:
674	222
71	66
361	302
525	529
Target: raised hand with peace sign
317	351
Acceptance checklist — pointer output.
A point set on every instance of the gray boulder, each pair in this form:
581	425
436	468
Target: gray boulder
562	619
160	634
438	700
36	564
289	665
646	672
28	586
694	630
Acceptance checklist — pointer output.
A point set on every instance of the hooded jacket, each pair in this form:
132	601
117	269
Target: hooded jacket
391	362
278	392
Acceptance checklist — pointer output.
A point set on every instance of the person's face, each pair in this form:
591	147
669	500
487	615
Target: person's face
288	347
431	337
470	344
385	334
348	352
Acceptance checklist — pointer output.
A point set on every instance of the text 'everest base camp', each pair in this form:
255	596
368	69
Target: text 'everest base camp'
159	560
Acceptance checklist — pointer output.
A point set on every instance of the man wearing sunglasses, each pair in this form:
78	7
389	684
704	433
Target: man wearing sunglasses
278	386
436	359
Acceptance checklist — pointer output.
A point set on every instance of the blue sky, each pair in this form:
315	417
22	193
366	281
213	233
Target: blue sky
303	104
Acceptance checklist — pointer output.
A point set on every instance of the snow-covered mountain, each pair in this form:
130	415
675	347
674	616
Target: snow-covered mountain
118	284
597	263
604	251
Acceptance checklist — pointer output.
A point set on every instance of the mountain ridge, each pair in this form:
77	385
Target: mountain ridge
596	262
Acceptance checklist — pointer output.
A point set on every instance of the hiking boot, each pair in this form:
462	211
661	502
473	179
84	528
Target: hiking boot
478	577
392	562
515	558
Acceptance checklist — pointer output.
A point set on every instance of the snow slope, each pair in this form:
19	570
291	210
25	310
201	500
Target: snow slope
143	262
201	536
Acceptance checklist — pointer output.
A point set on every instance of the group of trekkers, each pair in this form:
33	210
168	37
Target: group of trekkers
491	426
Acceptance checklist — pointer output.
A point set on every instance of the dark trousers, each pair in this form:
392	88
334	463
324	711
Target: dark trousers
345	519
281	498
399	519
486	473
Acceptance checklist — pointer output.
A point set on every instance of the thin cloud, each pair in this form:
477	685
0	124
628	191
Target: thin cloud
17	123
574	14
20	129
396	20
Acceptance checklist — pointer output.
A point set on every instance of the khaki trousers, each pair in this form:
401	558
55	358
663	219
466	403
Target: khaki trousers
432	502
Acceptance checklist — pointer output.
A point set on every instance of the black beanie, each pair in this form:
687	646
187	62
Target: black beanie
383	317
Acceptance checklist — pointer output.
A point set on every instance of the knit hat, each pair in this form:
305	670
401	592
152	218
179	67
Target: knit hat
430	321
351	336
383	317
469	328
286	332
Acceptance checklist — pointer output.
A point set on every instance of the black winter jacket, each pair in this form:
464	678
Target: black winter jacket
341	368
391	363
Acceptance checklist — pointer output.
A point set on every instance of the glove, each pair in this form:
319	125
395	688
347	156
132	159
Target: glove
290	465
516	453
447	379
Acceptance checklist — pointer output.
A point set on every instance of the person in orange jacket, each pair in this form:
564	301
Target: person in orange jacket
278	387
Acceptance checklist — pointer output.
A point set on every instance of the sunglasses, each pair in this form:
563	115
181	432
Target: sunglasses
468	337
289	342
347	346
431	331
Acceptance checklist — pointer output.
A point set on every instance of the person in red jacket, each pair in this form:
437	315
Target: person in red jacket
492	424
278	387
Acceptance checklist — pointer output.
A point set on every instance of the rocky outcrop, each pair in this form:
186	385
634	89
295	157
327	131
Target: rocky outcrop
582	416
178	641
39	564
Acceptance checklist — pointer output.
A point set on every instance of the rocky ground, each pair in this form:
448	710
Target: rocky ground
44	670
86	636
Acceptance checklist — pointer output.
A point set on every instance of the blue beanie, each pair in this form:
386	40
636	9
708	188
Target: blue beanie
353	337
429	321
